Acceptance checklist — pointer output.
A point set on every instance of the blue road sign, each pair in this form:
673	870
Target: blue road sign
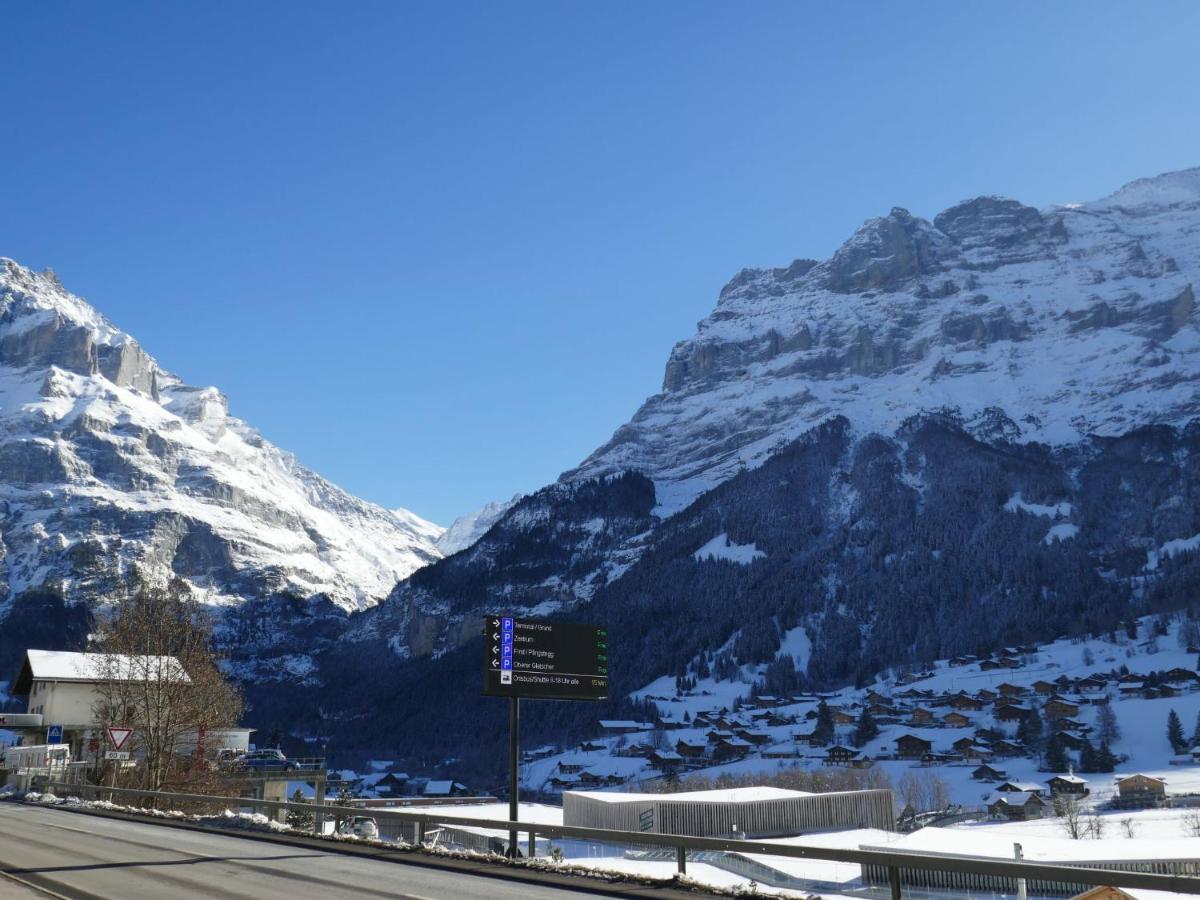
54	734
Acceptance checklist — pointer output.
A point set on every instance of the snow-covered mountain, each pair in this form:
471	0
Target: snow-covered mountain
466	530
1033	325
109	461
954	432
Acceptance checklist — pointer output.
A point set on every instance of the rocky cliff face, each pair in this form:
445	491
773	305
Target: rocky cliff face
108	461
1032	325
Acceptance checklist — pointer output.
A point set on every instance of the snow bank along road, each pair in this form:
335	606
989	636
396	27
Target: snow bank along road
64	854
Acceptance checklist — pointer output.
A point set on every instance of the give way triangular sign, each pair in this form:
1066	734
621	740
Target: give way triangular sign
118	736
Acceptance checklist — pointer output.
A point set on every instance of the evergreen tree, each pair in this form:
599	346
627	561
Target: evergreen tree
823	732
867	729
1106	761
300	820
1175	732
1195	741
1087	758
1106	724
1056	755
1029	732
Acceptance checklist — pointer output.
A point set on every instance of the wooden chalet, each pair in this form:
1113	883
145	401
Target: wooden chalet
731	748
921	716
1141	789
1011	690
956	720
966	703
1020	787
1045	688
691	749
1011	712
909	746
1006	748
1179	675
1070	785
666	760
987	695
1058	708
1016	806
987	773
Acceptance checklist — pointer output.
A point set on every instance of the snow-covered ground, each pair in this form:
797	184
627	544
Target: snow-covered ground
1142	722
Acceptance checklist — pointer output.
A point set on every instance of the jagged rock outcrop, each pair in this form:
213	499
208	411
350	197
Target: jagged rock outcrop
1073	320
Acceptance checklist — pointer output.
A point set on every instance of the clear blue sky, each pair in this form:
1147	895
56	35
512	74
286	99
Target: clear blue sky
442	250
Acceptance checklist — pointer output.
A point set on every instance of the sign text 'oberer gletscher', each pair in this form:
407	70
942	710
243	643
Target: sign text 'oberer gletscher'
550	660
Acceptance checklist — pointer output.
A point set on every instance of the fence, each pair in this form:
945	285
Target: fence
885	865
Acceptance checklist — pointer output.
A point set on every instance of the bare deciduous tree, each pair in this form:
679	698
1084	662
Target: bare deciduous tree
160	676
1070	813
1191	822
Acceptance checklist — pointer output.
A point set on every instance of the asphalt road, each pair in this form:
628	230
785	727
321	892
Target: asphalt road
85	857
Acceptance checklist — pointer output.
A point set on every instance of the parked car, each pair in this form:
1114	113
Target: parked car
267	760
361	826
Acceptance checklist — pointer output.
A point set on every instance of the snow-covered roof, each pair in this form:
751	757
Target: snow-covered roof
1070	779
1011	798
727	795
63	665
442	787
1022	786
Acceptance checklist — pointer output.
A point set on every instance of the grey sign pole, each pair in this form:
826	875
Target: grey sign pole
514	717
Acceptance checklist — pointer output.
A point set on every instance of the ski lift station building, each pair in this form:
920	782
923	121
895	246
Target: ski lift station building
749	812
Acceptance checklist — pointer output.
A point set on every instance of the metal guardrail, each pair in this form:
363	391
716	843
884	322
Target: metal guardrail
890	860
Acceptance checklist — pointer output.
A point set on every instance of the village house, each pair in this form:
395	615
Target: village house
1020	787
1070	785
623	726
1007	748
1011	690
1141	790
1015	806
1011	712
1058	708
1045	688
690	749
956	720
921	716
967	703
838	755
731	748
909	746
987	773
666	760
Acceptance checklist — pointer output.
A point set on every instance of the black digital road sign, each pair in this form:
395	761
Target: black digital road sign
547	660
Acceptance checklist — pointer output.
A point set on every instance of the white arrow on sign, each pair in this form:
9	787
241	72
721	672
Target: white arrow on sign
118	736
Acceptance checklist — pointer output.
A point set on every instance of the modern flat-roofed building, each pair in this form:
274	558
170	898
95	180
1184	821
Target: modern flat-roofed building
753	812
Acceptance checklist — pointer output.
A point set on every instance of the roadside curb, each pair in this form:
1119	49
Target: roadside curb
596	884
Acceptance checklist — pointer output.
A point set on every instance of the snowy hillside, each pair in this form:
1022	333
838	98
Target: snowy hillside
777	727
109	461
1032	325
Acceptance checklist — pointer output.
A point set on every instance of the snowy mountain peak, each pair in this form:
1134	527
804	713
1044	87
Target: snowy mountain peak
110	461
1180	188
1061	322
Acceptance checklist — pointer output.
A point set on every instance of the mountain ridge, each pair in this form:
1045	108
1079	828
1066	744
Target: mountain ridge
111	461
